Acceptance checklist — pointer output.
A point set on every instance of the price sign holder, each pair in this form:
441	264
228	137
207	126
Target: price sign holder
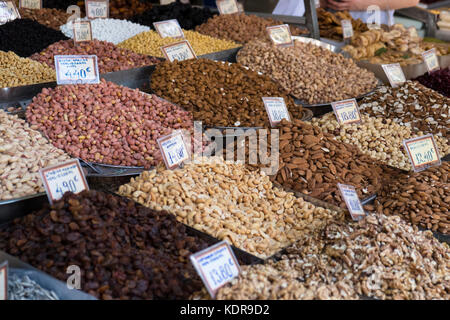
395	74
61	178
30	4
76	69
216	266
227	6
431	60
4	281
82	31
8	11
276	110
97	9
173	149
347	29
422	152
178	51
169	28
347	111
352	201
280	35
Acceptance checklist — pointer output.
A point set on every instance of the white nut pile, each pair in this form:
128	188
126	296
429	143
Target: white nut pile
23	152
379	138
228	201
111	30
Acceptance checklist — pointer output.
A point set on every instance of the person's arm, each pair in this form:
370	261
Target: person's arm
362	5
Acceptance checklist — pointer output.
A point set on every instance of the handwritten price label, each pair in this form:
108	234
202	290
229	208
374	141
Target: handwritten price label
8	11
423	152
227	6
346	111
280	35
76	69
169	28
173	149
179	51
431	60
395	74
276	109
30	4
82	31
347	29
4	281
97	9
216	265
352	201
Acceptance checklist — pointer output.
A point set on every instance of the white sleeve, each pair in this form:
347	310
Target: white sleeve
290	8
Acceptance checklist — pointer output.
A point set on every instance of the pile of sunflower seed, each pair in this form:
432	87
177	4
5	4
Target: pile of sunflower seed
23	288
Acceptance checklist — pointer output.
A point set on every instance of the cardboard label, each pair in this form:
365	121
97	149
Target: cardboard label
276	109
179	51
62	178
347	29
346	111
395	74
4	281
30	4
280	35
8	11
227	6
82	31
76	69
173	149
216	265
169	28
422	152
97	9
431	60
352	201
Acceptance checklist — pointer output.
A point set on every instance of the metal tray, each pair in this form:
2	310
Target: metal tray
226	55
438	4
19	207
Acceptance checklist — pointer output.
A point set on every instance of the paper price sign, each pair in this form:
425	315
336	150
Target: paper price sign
30	4
179	51
169	28
280	35
227	6
4	281
395	74
347	111
76	69
63	178
352	202
276	109
431	60
347	29
8	11
422	152
82	31
216	265
97	9
173	149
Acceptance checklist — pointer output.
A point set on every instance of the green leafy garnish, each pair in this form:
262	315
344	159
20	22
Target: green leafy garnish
380	51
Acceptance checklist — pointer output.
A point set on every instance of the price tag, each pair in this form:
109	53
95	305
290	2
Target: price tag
76	69
30	4
173	149
347	29
431	60
280	35
8	11
169	28
276	109
216	265
346	111
82	31
422	152
179	51
395	74
97	9
227	6
4	281
63	178
352	201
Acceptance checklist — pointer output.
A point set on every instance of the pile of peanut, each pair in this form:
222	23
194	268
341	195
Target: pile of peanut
308	72
23	152
229	202
379	138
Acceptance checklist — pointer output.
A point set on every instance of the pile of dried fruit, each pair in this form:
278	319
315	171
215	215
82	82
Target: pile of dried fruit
52	18
331	27
438	80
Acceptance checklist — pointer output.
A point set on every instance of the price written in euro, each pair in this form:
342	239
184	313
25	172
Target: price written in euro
352	201
76	69
280	35
216	265
179	51
395	74
431	60
4	281
82	31
276	109
346	111
227	6
173	149
97	9
347	29
30	4
169	28
422	152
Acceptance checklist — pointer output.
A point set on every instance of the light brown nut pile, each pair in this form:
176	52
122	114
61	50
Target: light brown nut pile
412	105
50	17
16	71
308	72
381	139
229	202
23	152
422	198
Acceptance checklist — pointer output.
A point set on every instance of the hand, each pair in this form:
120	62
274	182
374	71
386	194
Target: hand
350	5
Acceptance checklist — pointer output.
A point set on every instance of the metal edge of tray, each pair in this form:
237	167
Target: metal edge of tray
19	207
435	5
225	55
